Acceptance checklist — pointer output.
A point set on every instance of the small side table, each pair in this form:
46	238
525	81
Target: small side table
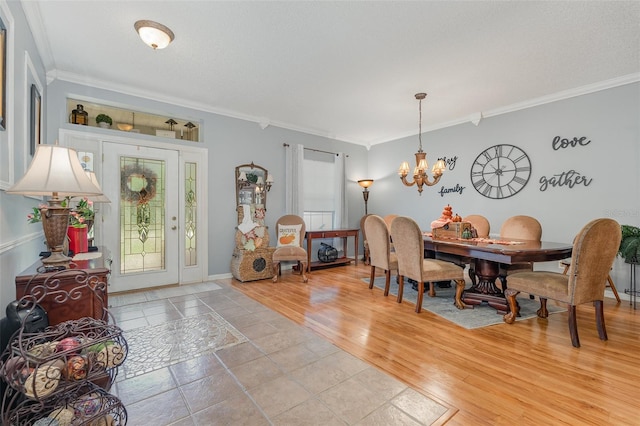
632	291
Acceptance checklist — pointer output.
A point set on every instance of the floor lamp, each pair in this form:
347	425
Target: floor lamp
55	172
365	183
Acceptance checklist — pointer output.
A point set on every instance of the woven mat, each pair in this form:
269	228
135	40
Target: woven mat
155	347
442	305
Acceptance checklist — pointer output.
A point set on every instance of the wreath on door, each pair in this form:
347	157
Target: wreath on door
138	185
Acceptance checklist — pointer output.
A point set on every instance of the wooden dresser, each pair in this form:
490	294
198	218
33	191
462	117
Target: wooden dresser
86	303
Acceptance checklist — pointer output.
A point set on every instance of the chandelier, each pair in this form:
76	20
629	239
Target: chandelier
420	177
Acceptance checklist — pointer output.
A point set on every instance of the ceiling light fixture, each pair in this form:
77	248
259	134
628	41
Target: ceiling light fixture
154	34
420	177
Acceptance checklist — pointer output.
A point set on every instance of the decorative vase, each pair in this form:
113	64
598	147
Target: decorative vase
78	242
104	125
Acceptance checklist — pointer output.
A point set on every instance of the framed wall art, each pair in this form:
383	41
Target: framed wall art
3	76
35	119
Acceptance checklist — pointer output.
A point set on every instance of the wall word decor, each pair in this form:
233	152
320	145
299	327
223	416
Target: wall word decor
569	178
562	143
450	162
458	188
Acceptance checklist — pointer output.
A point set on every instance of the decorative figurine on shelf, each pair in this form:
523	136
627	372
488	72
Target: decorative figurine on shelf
80	116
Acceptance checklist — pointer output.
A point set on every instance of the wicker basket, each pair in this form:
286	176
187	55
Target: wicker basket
254	265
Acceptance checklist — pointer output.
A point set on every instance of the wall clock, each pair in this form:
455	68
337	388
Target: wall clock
500	171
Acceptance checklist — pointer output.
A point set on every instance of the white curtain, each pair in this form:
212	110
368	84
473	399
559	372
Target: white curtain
342	214
294	190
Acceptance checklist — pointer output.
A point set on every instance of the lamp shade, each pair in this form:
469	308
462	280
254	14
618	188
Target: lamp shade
365	183
154	34
97	198
55	170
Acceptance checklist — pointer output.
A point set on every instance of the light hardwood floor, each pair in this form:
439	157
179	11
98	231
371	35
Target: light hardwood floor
525	373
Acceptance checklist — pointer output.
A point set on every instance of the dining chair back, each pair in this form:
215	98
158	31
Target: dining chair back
290	231
594	250
519	227
480	224
409	246
380	250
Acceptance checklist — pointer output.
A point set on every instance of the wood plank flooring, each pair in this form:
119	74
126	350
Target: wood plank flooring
525	373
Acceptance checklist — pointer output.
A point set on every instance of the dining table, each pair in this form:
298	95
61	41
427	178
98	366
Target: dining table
488	254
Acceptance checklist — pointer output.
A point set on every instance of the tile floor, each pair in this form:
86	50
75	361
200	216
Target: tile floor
283	375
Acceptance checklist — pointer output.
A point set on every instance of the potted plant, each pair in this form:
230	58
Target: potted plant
104	120
629	248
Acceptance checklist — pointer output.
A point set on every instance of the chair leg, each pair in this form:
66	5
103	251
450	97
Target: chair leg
543	312
400	288
372	276
573	326
458	299
514	309
276	268
602	331
303	267
420	296
432	290
613	288
387	282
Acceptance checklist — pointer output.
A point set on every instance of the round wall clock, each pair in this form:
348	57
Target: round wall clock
500	171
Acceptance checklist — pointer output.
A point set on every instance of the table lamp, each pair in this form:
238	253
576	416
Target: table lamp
55	170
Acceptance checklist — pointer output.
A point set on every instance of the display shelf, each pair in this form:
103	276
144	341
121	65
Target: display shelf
70	365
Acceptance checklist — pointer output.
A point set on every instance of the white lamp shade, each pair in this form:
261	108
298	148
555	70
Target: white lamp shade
55	169
154	34
97	198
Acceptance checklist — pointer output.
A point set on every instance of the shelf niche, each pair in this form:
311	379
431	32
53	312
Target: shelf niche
127	120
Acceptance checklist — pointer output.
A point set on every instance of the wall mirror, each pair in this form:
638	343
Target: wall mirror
252	184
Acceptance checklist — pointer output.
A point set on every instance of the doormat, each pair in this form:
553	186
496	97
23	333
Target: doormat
442	305
159	346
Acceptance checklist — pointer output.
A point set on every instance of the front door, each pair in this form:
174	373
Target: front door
143	216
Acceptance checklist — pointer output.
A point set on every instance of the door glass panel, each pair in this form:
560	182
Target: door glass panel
142	215
190	206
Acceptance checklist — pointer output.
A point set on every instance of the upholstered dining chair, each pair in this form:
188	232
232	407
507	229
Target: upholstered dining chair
520	228
480	224
290	231
594	250
380	250
409	246
566	263
365	242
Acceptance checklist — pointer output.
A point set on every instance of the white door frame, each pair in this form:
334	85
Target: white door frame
92	141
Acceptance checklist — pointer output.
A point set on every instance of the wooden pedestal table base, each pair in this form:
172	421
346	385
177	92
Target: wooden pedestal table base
485	290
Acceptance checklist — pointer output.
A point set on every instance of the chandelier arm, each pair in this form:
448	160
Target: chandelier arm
435	180
406	182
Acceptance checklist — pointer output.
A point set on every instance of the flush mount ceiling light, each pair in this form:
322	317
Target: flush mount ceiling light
154	34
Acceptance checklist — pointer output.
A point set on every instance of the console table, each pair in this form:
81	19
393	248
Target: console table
332	233
90	303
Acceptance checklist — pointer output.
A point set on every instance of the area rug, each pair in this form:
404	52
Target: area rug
442	305
155	347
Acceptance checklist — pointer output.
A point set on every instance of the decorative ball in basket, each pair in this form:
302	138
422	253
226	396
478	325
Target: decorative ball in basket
327	253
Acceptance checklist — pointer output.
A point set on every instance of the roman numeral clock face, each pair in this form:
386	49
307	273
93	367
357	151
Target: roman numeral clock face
500	171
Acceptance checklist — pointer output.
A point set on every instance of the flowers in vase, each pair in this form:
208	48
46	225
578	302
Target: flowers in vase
82	213
36	216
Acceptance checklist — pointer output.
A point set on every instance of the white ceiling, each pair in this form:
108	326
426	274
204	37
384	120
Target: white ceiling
345	69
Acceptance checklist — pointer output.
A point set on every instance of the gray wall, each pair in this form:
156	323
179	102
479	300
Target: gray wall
20	242
230	142
609	118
